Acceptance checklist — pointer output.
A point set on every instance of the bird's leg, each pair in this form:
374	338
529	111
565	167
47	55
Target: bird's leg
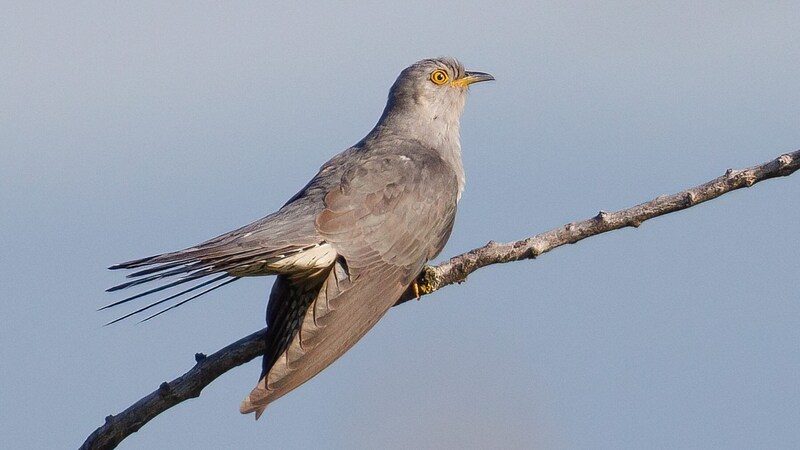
421	287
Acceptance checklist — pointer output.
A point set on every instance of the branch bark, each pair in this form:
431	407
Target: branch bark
208	368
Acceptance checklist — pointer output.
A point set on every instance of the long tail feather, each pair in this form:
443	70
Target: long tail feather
182	280
157	276
216	259
156	303
158	268
190	298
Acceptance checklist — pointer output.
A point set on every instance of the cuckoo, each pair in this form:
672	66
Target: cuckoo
348	245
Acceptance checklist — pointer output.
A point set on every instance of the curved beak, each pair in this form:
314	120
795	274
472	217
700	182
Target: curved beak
472	77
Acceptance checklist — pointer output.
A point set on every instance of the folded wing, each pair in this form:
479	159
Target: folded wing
390	214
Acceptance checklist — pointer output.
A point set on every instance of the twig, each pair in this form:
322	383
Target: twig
457	269
208	368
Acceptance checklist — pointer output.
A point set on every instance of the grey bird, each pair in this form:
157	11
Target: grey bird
349	244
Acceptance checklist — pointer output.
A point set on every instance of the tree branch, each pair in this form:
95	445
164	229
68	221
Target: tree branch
208	368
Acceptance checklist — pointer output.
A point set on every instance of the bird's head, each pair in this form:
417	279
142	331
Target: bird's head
432	90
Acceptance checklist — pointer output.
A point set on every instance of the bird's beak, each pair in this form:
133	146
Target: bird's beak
472	77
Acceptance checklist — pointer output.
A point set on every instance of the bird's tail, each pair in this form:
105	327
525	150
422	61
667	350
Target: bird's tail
196	264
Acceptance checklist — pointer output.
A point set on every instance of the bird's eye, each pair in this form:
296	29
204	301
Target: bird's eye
439	77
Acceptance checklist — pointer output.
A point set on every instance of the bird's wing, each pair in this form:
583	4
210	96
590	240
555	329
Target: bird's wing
389	215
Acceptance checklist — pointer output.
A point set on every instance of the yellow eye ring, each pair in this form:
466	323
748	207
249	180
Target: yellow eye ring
439	77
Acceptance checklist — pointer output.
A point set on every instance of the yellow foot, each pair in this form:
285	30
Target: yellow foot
420	288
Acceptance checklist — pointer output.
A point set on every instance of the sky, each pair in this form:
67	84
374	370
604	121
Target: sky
129	129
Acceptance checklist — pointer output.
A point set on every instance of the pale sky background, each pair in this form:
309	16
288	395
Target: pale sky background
137	128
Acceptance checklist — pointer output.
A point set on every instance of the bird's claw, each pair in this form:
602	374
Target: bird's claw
420	288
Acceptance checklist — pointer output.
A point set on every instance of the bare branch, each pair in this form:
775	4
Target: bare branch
456	270
208	368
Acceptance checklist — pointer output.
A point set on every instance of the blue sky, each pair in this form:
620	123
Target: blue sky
133	129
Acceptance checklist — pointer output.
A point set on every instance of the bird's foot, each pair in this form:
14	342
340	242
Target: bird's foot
420	289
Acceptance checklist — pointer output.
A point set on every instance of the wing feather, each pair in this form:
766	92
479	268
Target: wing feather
386	219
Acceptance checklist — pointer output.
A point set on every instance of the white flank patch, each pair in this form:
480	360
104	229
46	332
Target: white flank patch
318	257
